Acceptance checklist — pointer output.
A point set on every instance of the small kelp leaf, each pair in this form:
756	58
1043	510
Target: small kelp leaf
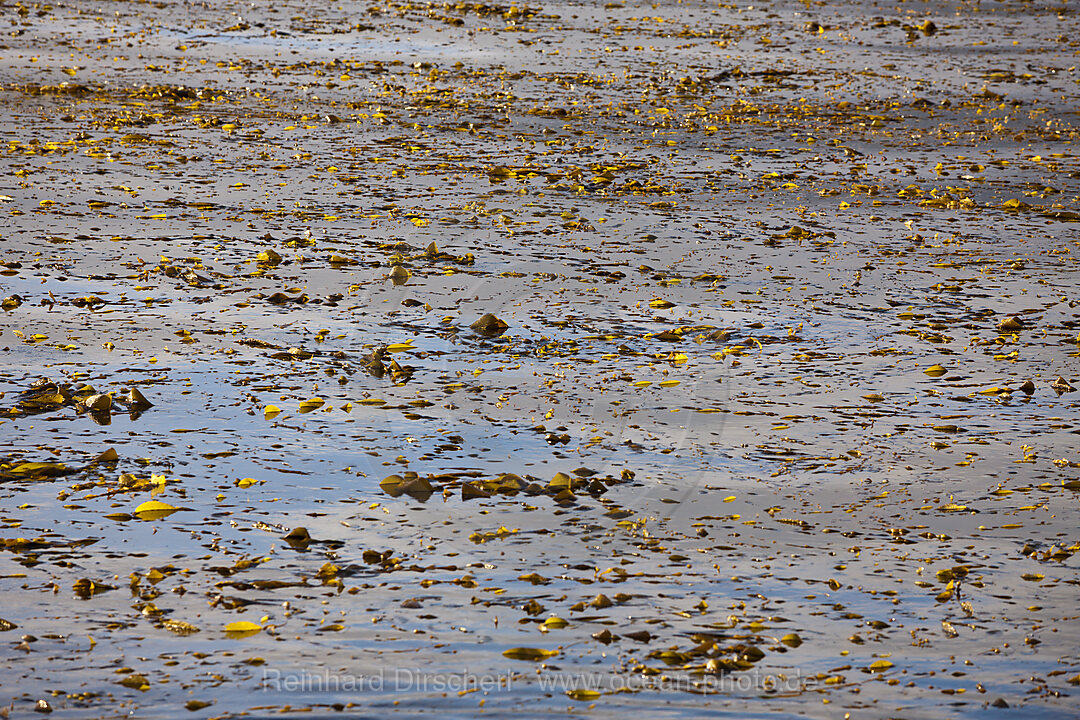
391	485
268	257
298	537
935	371
136	681
750	653
101	402
792	640
511	481
411	484
242	629
417	487
564	497
556	623
880	666
154	510
310	405
534	578
109	456
6	625
179	627
1011	324
605	636
720	666
271	411
533	654
561	481
137	400
1061	385
87	588
488	324
719	335
582	695
399	275
279	298
471	491
328	571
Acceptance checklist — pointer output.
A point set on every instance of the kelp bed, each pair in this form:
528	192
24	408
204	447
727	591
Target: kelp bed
692	358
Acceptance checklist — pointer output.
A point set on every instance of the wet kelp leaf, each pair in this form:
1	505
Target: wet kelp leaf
311	405
242	629
87	588
1061	385
135	681
154	510
601	601
472	491
411	484
137	401
490	325
37	471
391	485
483	537
101	402
179	627
605	636
298	537
109	456
1011	324
268	257
532	654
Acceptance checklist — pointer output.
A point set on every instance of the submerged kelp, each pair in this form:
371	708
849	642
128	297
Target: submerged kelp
492	358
